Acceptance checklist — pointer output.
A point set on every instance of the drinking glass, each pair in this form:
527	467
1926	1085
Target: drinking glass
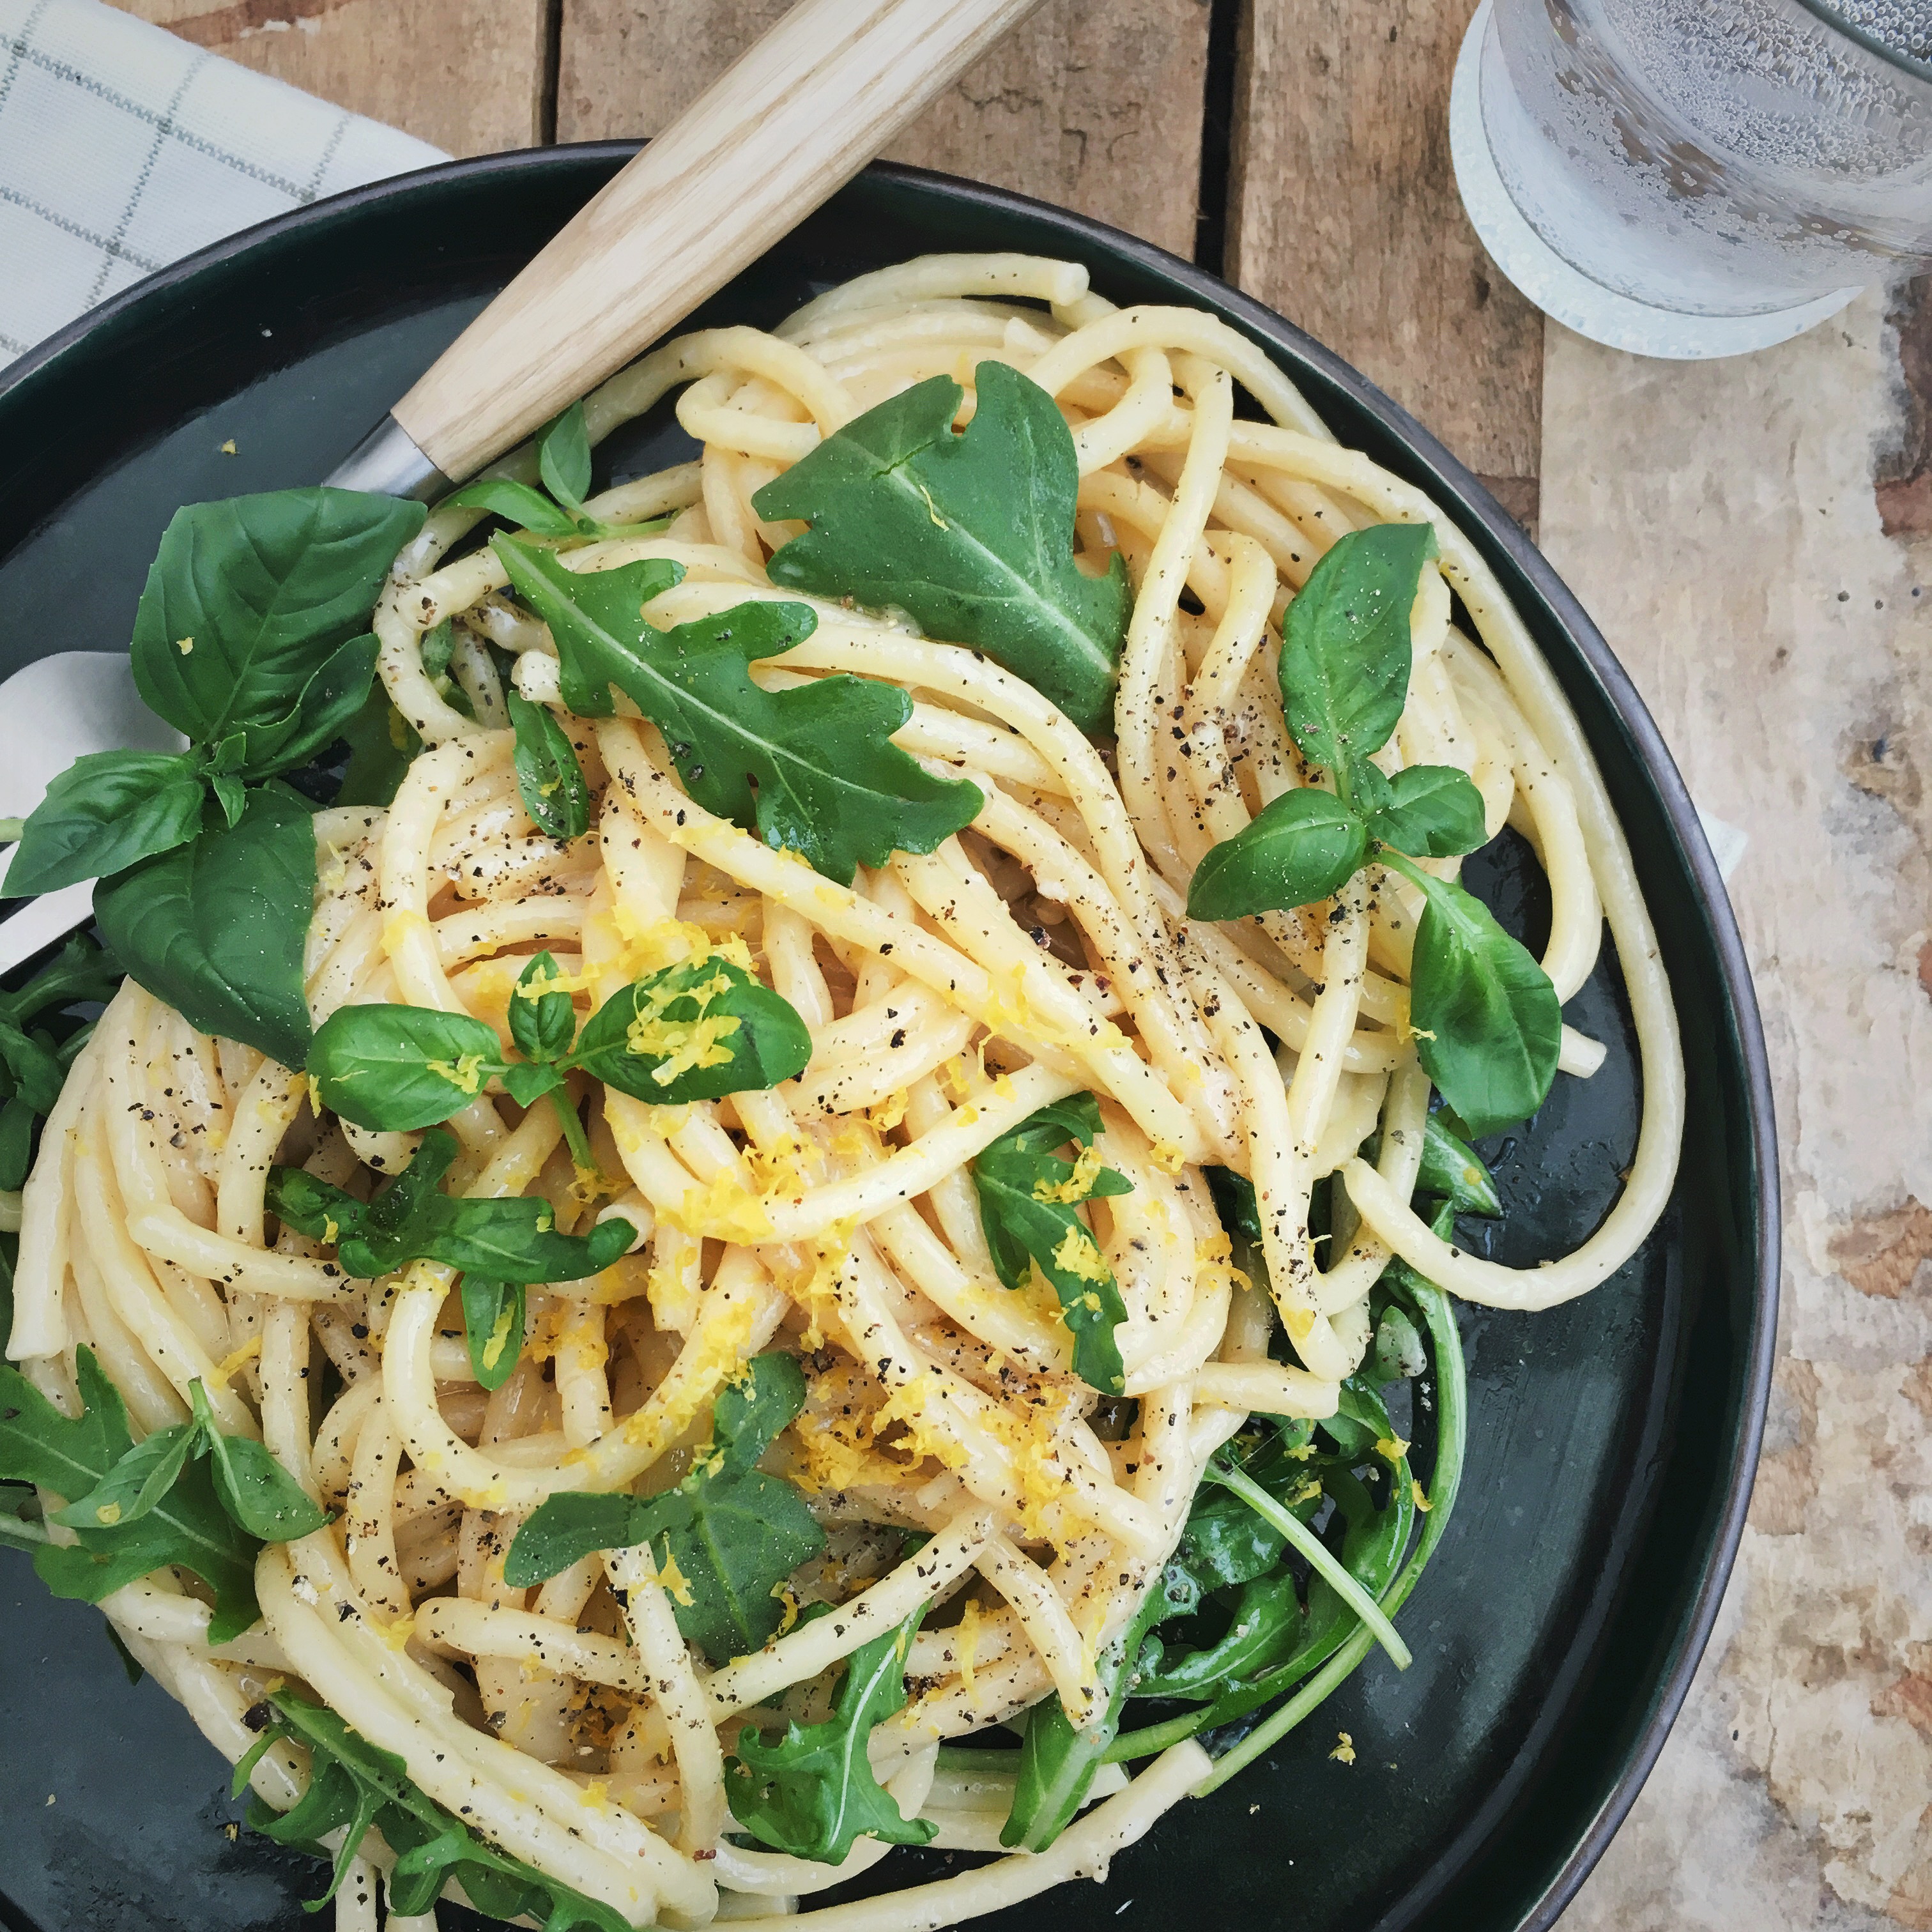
1713	173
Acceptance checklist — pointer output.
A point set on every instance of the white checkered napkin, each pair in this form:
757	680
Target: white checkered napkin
122	148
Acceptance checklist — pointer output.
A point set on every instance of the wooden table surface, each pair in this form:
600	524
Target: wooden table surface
1753	535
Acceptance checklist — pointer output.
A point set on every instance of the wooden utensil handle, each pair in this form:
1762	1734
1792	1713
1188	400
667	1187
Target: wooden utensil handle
792	121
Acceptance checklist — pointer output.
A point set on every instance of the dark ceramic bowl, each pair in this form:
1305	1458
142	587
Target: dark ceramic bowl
1612	1442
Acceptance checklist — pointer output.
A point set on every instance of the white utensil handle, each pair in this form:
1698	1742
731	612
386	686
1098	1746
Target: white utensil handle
795	118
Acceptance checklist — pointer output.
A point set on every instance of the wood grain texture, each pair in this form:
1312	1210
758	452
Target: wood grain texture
789	122
1343	214
1094	105
470	76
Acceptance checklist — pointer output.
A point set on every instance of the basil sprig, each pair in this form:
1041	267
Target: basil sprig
971	533
33	1062
812	1792
189	1495
557	510
1487	1021
724	1540
1028	1195
698	1030
250	639
354	1785
813	768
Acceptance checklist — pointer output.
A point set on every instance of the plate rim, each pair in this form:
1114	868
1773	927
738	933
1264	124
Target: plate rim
1455	486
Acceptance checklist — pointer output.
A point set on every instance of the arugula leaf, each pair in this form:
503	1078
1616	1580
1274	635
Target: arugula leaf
1300	848
1056	1762
247	597
216	928
972	534
255	1489
105	812
1345	651
186	1526
812	1792
492	1326
549	779
1488	1022
514	1240
1027	1199
80	974
724	1539
1430	811
394	1069
354	1784
813	768
694	1032
1451	1167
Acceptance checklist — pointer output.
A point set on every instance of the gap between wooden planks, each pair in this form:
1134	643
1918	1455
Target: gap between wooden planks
1341	208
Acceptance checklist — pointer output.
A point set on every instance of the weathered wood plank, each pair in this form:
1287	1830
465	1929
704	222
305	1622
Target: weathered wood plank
1093	104
1343	214
469	75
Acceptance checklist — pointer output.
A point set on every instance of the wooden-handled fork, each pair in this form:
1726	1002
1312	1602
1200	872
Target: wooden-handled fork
791	121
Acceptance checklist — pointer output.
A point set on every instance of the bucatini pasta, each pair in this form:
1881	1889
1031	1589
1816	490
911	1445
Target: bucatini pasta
1026	1005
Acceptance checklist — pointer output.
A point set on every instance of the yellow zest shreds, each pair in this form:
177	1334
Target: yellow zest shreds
1305	1491
500	1337
1078	1184
108	1515
1211	1258
968	1642
857	1145
1344	1752
396	1633
465	1075
651	945
817	1288
185	645
1422	1502
720	1360
909	1404
889	1113
1079	1255
785	1167
786	1595
597	1795
539	983
1168	1157
226	1367
314	1094
1391	1449
726	1211
953	1077
834	1459
681	1044
674	1580
400	926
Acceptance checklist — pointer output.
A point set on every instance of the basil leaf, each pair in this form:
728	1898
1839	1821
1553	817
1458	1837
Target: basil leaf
186	1526
107	810
1432	812
972	534
79	974
394	1069
247	597
216	928
1452	1167
382	745
18	1119
1488	1023
34	1068
563	457
724	1540
330	702
549	779
1300	848
354	1785
1345	653
513	1239
516	503
813	767
1027	1197
493	1325
696	1031
255	1489
1398	1354
812	1792
543	1023
528	1081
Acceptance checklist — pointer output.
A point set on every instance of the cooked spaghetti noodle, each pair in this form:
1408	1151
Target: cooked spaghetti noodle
1044	953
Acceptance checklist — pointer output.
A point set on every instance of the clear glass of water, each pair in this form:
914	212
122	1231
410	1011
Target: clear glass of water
1716	158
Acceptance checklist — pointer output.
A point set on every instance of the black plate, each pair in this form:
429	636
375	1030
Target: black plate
1612	1440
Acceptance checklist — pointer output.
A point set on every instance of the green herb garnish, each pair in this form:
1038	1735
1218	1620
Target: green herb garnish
1487	1021
1028	1195
972	534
